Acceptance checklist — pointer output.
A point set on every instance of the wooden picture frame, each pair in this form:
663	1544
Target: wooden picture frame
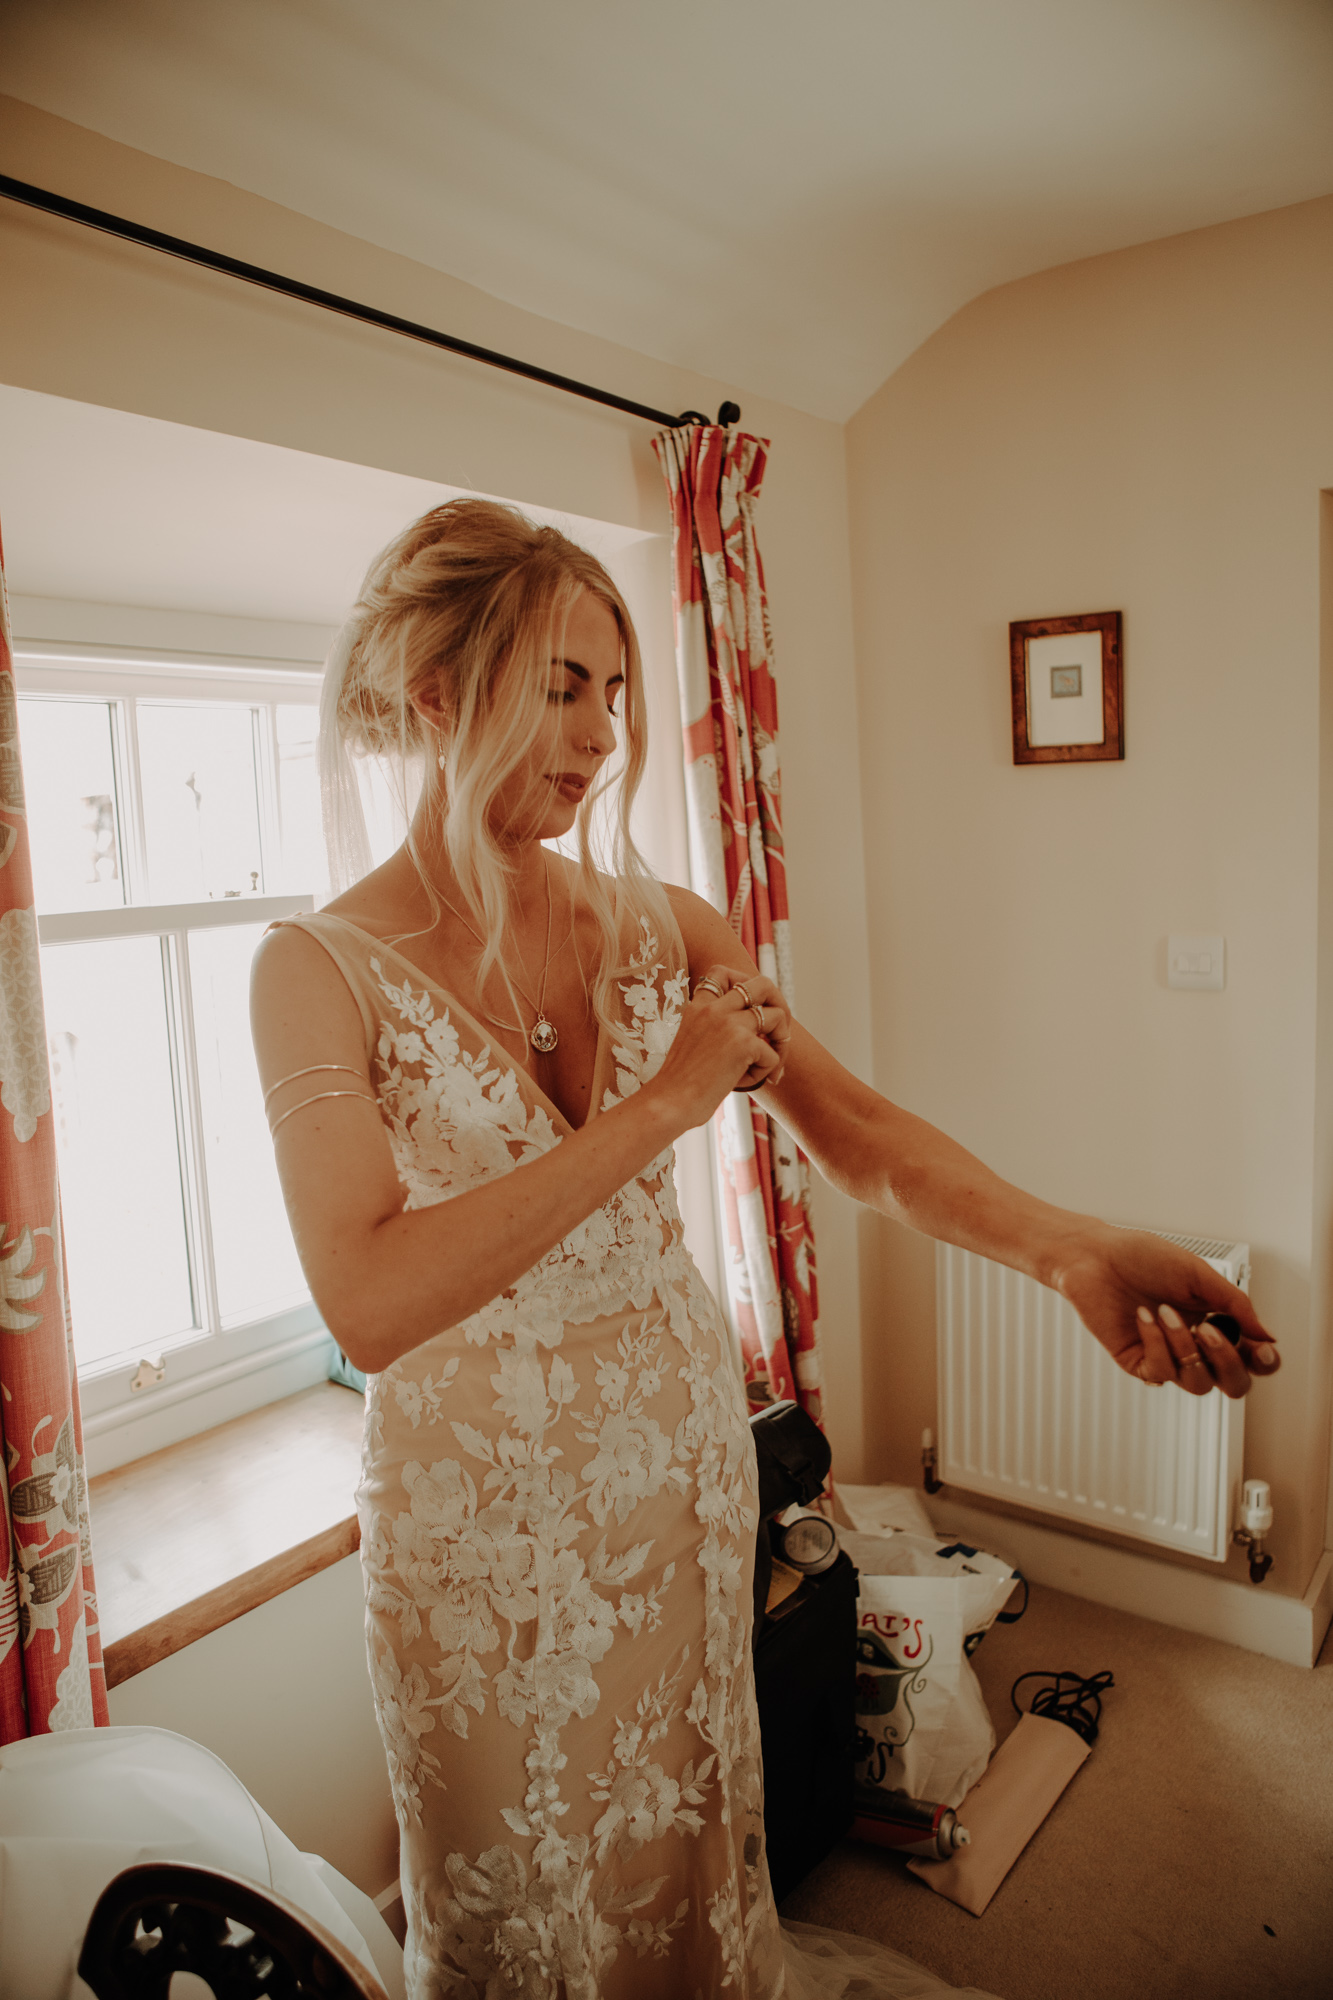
1091	729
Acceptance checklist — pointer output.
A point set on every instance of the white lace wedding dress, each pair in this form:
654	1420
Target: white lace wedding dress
557	1518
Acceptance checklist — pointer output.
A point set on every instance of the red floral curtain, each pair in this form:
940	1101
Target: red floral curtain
729	708
51	1674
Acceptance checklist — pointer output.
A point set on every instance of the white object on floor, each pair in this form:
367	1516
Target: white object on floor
884	1510
381	1943
78	1807
922	1723
833	1965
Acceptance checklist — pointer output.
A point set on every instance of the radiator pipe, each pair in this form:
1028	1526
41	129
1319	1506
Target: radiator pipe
929	1461
1256	1518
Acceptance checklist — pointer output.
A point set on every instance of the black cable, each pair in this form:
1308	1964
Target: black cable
294	288
1068	1698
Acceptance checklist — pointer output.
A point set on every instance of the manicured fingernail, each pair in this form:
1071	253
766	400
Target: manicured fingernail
1266	1355
1170	1317
1142	1372
1210	1336
1145	1315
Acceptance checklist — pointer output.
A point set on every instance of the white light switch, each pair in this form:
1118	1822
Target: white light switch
1196	962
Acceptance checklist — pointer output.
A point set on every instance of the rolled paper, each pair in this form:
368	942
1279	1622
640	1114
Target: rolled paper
1004	1808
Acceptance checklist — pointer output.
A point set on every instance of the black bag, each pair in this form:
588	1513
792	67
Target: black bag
804	1664
794	1459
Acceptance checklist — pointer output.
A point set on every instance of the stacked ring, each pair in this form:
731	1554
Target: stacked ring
707	986
1190	1360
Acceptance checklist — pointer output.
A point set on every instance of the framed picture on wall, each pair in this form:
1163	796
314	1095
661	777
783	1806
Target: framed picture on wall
1066	683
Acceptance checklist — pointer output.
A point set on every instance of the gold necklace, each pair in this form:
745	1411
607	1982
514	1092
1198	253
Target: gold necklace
544	1034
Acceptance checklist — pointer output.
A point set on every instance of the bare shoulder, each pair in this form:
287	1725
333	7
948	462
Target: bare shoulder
299	1000
287	954
708	937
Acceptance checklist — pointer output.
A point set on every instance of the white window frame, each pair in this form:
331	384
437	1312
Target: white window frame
210	1372
214	1375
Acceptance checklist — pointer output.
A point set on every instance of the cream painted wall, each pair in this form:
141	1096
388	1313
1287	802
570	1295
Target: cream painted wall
1147	432
283	1697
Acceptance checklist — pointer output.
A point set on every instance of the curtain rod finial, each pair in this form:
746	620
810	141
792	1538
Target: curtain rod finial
728	414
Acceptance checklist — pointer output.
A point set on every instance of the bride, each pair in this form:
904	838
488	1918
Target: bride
557	1500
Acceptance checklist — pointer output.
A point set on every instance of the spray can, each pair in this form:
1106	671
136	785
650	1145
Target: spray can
908	1826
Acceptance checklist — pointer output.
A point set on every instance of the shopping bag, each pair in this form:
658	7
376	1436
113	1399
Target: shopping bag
923	1606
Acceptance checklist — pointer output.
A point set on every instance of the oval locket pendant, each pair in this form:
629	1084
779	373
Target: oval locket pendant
544	1036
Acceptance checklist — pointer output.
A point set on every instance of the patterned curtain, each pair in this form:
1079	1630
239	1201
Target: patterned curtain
729	708
51	1674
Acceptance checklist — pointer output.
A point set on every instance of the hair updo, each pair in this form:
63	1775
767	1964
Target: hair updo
469	606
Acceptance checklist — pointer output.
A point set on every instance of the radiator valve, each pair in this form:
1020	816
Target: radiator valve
1256	1518
930	1478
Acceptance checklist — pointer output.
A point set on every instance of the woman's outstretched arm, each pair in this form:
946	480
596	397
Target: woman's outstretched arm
1139	1294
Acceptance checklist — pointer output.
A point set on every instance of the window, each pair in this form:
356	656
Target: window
174	814
174	811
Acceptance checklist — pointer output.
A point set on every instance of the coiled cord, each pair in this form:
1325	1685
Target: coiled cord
1069	1698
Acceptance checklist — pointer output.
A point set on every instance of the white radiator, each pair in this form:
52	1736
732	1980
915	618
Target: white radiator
1033	1410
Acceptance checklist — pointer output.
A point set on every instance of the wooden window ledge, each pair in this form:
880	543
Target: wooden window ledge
191	1537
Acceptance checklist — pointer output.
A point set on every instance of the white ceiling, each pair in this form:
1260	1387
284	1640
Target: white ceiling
108	507
786	195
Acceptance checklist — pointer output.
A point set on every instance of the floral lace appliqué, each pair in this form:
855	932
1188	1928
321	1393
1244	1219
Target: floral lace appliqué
540	1519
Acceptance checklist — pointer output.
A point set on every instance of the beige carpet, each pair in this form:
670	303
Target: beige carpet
1192	1855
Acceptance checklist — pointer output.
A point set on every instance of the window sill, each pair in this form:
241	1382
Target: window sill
194	1536
209	1381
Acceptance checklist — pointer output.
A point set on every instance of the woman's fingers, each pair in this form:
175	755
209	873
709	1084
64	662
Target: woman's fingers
714	984
727	1040
1191	1368
724	983
1227	1365
1260	1357
1229	1304
721	987
1195	1359
1157	1363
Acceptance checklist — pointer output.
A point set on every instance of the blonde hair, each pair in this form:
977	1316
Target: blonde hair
470	604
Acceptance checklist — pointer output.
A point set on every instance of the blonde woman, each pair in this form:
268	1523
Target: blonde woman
476	1063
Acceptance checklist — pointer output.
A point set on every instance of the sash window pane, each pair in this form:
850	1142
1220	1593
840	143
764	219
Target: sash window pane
118	1138
255	1262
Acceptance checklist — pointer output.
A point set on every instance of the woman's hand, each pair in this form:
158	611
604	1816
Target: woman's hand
772	1015
732	1036
1146	1299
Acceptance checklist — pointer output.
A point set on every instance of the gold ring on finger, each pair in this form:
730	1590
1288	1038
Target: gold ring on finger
758	1013
736	987
707	986
1191	1361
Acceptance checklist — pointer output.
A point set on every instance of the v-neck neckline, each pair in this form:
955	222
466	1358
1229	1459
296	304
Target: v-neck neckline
484	1036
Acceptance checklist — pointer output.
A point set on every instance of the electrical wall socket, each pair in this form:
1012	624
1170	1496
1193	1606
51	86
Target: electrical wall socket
1196	962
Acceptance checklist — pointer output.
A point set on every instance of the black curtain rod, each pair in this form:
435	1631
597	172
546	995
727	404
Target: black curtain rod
273	281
